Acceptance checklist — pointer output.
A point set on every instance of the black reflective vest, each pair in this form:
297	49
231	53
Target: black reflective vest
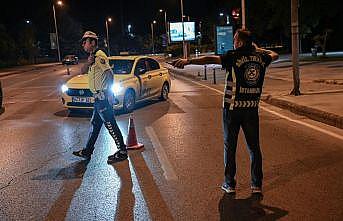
245	76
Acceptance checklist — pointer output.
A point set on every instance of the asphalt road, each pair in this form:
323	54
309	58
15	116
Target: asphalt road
177	176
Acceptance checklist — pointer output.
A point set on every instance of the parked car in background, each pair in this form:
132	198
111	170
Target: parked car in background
70	59
136	78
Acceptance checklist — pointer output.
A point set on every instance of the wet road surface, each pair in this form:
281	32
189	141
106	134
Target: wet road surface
177	176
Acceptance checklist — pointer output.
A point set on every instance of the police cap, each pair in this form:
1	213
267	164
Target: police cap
89	34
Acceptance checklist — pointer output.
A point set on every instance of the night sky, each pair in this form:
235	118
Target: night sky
92	14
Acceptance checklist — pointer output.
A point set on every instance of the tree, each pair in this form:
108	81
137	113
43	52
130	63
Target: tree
321	40
70	33
8	48
28	45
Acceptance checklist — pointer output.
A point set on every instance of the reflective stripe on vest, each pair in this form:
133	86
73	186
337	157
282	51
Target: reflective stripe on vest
241	103
233	88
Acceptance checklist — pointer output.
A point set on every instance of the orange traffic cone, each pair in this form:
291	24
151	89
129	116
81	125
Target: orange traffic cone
131	141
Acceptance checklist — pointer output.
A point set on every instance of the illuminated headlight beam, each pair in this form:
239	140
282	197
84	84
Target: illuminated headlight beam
64	88
116	88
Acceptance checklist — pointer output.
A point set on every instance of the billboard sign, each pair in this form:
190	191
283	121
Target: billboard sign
224	39
176	31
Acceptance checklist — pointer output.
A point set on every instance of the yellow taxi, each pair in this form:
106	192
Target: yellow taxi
136	78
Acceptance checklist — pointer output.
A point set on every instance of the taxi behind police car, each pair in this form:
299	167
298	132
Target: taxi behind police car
136	78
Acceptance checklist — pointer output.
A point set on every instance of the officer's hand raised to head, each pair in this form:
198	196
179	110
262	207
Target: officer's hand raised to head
91	59
180	63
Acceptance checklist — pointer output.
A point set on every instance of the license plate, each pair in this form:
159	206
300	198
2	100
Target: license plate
81	99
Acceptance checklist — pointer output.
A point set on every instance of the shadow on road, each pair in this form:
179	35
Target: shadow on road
158	208
74	113
72	179
125	198
249	209
73	171
2	110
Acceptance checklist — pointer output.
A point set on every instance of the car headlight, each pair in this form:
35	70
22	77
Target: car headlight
116	88
64	88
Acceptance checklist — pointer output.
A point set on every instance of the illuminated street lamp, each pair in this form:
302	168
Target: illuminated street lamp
60	3
221	14
187	16
107	36
152	36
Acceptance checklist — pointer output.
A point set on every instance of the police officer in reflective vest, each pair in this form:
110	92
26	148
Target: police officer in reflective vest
100	80
246	67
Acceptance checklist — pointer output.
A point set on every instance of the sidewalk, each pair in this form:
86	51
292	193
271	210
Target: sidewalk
21	69
321	87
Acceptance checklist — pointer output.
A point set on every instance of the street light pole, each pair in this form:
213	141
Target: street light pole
58	45
243	14
107	36
152	36
165	21
295	46
185	55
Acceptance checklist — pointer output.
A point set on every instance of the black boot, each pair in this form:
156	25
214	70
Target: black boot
83	153
118	156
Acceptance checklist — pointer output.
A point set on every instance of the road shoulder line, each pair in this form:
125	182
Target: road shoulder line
167	168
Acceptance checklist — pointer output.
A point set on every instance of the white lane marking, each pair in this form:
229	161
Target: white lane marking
40	75
51	93
167	168
36	87
304	124
141	211
280	115
50	100
31	101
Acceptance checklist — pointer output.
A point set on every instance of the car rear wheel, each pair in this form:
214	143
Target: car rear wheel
164	92
129	101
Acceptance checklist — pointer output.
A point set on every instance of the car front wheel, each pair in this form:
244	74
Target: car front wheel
164	92
129	101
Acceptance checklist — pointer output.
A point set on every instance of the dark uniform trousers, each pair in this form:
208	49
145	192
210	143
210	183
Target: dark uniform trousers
233	120
103	114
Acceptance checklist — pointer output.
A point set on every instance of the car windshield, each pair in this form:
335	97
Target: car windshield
121	66
69	57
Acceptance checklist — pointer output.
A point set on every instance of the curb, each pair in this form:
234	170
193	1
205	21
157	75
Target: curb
312	113
31	69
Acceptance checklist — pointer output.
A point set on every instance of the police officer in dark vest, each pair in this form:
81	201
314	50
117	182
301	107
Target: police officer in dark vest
100	80
246	67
